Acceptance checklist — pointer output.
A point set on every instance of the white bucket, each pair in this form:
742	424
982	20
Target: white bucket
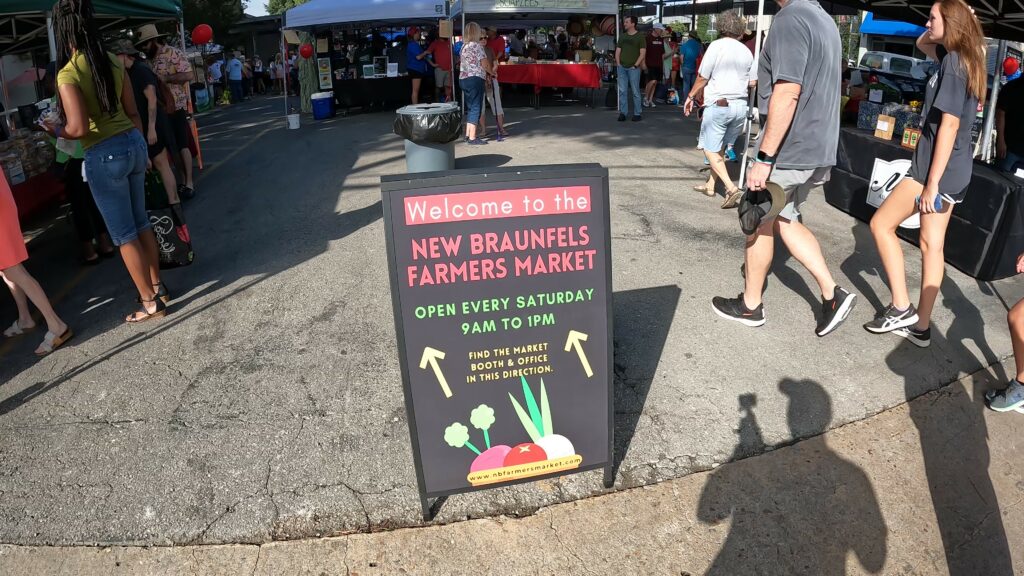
293	121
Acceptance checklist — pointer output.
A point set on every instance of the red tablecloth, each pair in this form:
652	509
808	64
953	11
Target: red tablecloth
37	194
551	75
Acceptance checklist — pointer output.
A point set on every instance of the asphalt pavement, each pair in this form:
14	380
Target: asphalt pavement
268	405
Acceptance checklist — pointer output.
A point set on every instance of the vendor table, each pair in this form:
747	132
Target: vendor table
374	91
37	194
986	231
552	75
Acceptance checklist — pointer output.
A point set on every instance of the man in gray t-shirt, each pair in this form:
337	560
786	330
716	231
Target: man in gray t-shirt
798	78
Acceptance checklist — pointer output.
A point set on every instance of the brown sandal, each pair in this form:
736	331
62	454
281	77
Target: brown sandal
732	199
143	315
705	190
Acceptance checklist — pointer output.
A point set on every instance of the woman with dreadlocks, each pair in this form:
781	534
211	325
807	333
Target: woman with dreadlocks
96	105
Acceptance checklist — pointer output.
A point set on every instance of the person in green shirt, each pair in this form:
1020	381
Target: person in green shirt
96	106
629	54
92	233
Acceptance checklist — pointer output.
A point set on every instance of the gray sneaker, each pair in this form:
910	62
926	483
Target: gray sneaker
1012	398
891	319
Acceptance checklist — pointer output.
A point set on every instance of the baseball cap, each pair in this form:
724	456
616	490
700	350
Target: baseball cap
125	47
412	31
659	26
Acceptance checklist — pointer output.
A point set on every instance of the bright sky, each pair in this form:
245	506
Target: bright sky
256	8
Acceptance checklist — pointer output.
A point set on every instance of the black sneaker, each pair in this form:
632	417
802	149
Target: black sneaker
834	311
736	309
919	338
636	118
186	193
890	319
622	117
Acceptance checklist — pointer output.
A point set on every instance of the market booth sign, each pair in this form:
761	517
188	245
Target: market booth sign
501	285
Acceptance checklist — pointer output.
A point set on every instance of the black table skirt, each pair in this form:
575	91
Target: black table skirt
986	231
385	92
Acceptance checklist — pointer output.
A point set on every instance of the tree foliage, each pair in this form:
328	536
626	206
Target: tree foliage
279	6
221	15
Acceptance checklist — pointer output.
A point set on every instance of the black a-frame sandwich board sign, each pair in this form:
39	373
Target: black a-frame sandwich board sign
501	286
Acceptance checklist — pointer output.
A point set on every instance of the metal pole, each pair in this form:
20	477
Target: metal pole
990	108
752	101
284	67
463	31
50	37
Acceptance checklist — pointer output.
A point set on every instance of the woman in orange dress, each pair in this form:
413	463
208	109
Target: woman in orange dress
22	285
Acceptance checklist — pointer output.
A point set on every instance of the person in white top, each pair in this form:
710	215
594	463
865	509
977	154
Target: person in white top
725	78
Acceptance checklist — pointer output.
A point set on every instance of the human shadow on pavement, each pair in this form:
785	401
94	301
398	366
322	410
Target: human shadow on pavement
643	318
954	442
799	511
864	262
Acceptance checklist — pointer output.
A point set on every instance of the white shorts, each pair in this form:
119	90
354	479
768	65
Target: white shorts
494	98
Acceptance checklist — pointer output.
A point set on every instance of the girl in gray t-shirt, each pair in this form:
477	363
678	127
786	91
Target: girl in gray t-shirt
941	168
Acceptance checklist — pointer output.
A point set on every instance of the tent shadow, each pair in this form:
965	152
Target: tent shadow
643	318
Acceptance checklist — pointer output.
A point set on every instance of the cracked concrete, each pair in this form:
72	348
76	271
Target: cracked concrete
857	500
280	352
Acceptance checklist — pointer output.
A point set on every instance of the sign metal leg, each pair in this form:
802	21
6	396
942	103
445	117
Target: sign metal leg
425	504
609	476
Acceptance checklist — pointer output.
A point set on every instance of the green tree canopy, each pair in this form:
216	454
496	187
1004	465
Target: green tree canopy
221	15
279	6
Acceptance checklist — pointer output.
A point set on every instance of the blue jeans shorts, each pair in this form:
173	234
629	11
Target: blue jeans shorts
116	172
473	88
722	125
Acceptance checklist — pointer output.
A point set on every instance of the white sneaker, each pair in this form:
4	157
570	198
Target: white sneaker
1012	398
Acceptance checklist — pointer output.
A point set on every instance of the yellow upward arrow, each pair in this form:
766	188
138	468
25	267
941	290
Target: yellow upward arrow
431	356
574	341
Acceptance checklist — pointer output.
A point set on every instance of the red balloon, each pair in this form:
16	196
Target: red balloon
202	34
306	50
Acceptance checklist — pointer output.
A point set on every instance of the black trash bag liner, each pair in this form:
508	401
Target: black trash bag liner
429	123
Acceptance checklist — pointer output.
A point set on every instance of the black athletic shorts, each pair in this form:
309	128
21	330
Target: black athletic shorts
164	136
653	74
180	130
415	74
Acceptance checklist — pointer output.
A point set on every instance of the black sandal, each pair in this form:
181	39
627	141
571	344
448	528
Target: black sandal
143	315
162	293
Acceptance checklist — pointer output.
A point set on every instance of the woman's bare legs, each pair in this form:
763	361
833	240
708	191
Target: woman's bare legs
25	320
933	261
24	282
899	206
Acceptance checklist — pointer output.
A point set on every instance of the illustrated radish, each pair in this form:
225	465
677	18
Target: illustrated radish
556	446
524	454
493	457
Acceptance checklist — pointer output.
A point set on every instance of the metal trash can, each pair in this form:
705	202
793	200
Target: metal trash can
430	132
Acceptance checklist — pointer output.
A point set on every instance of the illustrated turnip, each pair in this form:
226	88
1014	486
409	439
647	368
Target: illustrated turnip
493	457
556	446
537	423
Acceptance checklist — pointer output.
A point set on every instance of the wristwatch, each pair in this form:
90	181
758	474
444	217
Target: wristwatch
764	158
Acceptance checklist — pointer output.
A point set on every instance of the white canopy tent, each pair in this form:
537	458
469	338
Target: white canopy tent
509	9
318	13
529	13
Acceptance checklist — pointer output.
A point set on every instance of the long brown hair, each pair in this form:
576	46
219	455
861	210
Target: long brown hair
962	34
